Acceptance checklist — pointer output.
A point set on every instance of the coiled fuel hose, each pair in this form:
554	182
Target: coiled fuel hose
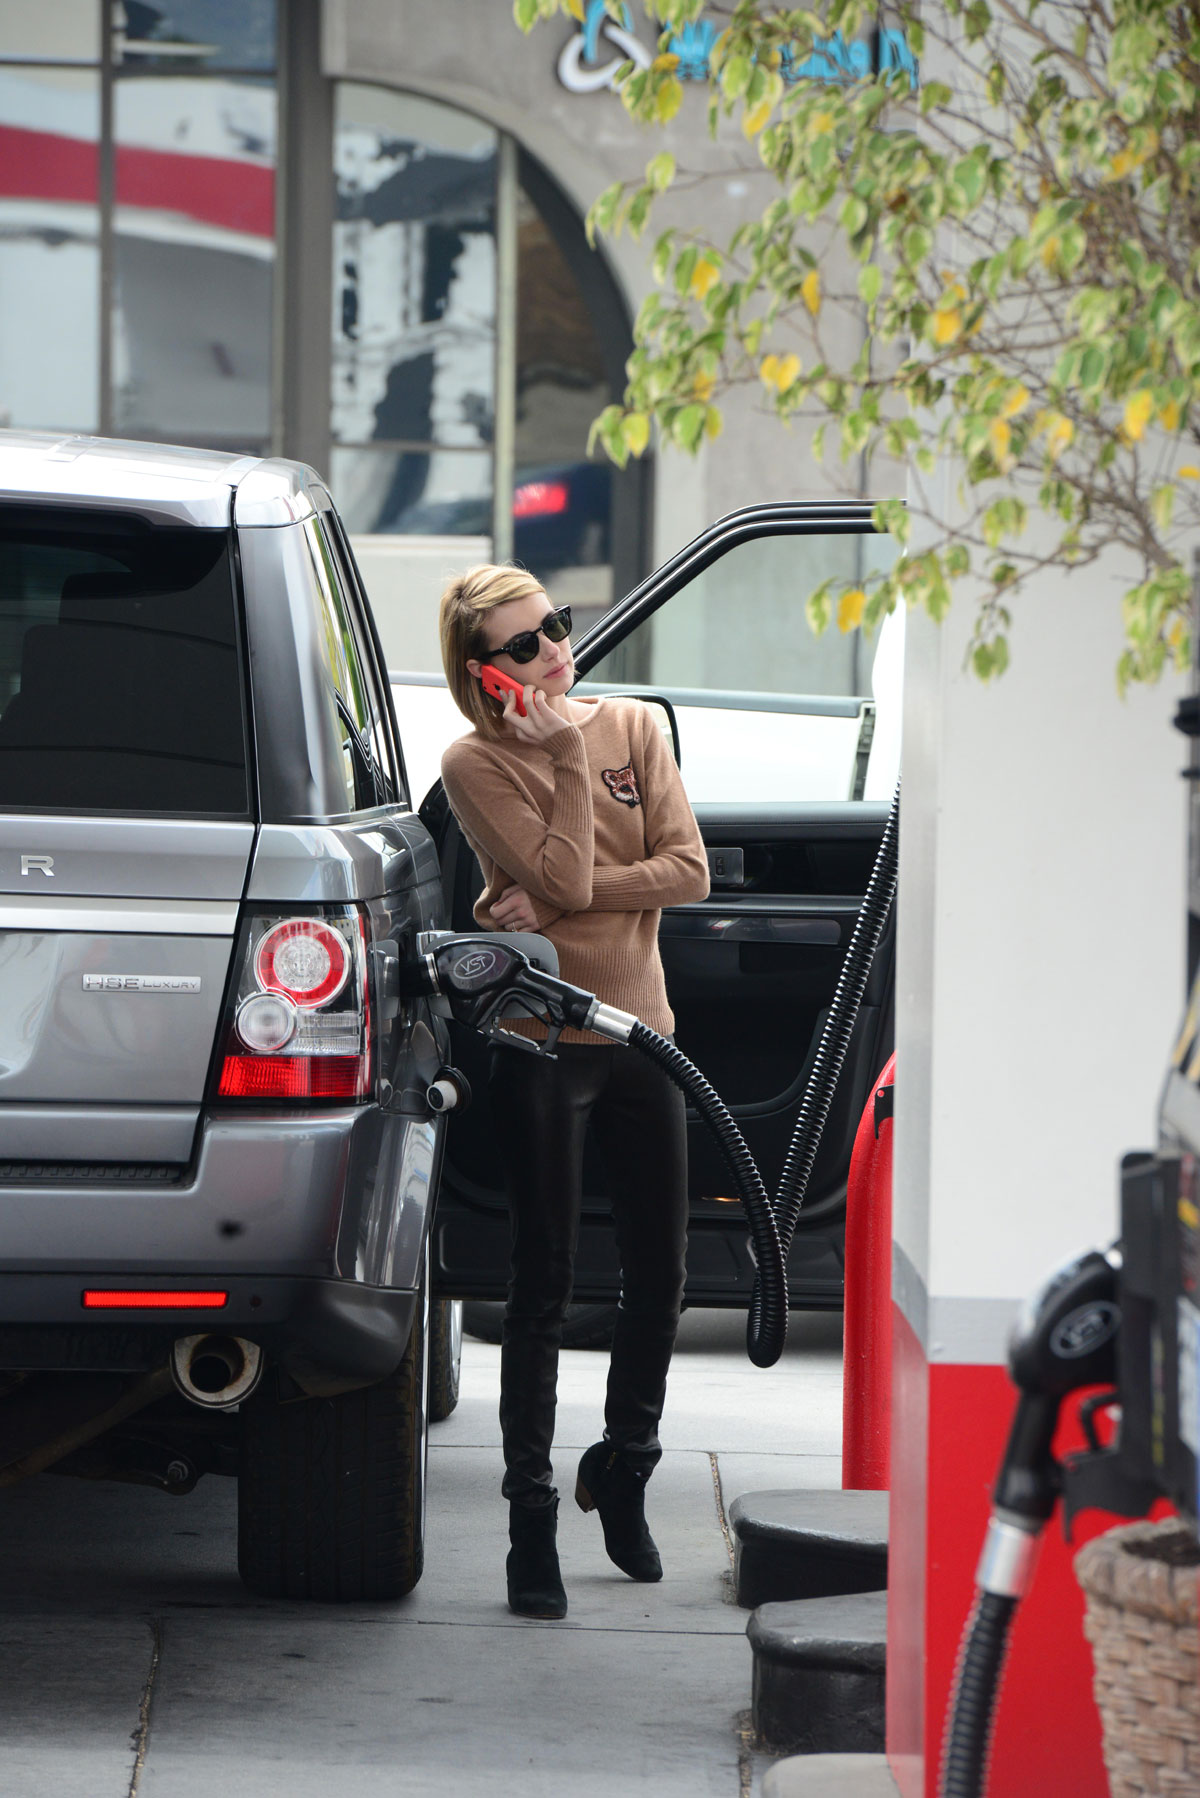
826	1070
766	1325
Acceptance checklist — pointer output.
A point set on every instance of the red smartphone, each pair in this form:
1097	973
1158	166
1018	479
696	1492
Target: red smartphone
498	684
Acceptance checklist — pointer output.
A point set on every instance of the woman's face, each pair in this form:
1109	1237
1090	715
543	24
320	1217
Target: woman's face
552	670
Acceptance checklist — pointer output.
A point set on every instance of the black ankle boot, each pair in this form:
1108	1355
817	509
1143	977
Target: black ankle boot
535	1587
608	1484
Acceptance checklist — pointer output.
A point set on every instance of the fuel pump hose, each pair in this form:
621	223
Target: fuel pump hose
834	1043
976	1688
766	1323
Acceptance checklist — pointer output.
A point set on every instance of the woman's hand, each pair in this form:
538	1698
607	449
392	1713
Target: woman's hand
541	721
513	910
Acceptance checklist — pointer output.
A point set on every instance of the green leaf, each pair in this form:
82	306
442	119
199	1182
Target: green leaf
870	280
525	12
735	77
688	426
660	171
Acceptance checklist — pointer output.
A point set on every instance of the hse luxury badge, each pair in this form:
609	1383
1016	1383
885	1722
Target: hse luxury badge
141	983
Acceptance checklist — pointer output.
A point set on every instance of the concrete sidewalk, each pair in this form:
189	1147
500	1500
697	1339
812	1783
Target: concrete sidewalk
115	1592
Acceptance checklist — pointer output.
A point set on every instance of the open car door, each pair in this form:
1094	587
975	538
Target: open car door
783	762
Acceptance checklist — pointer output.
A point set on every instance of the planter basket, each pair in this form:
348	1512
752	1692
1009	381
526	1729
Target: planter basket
1141	1584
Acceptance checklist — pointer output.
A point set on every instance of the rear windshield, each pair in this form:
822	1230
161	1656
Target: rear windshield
120	672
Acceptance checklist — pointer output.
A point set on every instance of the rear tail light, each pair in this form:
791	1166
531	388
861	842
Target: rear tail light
299	1019
540	499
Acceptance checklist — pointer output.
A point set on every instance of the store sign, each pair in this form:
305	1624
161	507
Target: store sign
591	56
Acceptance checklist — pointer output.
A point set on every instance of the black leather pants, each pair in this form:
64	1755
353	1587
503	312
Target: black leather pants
541	1110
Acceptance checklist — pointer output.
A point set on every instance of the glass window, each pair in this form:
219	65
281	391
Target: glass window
195	34
195	247
765	709
414	271
49	248
120	684
378	736
439	493
562	502
347	693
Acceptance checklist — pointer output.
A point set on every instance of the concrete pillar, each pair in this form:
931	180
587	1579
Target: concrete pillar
1040	980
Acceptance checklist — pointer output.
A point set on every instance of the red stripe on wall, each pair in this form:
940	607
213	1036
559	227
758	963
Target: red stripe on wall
950	1425
212	190
35	165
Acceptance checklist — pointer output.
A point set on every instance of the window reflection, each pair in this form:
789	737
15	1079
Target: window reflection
200	34
438	493
195	224
414	272
562	502
49	248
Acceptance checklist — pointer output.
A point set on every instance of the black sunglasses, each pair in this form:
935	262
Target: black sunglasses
524	646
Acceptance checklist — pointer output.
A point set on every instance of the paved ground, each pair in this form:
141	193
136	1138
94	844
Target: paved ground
136	1666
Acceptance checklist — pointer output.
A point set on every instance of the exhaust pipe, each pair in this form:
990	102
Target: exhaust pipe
216	1372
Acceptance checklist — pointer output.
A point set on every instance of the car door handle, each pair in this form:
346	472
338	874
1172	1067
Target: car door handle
726	867
714	926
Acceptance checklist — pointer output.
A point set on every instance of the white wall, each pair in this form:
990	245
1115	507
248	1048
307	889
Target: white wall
404	578
1040	953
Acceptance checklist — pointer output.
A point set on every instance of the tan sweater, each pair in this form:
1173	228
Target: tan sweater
597	828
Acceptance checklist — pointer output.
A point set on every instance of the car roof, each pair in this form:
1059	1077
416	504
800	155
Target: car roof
161	482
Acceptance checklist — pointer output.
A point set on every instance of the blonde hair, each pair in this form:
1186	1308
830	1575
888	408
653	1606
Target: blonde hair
465	604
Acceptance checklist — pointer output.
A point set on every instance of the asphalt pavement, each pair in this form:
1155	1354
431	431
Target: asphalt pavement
137	1666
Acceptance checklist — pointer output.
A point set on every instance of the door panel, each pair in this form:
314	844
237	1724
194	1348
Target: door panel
751	971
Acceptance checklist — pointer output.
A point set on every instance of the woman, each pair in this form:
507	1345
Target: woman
582	829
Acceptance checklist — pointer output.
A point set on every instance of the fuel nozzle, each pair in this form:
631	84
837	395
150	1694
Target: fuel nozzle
1064	1339
479	980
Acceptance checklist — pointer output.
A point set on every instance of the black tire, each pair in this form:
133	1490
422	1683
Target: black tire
445	1357
331	1491
586	1326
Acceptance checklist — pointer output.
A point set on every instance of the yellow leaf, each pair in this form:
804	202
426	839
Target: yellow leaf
850	609
668	60
821	124
1189	472
705	275
768	370
1138	408
702	386
575	8
1120	165
1000	436
788	367
1170	415
1059	433
712	422
810	291
947	325
1016	402
1175	634
635	429
754	120
1049	252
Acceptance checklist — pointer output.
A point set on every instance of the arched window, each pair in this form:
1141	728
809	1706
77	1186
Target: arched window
475	337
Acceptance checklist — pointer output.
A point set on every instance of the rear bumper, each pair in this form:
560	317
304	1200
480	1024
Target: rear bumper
339	1193
328	1334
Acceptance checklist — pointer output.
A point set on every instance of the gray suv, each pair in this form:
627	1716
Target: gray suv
218	1155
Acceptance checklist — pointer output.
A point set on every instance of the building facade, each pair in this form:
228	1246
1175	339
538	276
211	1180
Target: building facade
352	232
